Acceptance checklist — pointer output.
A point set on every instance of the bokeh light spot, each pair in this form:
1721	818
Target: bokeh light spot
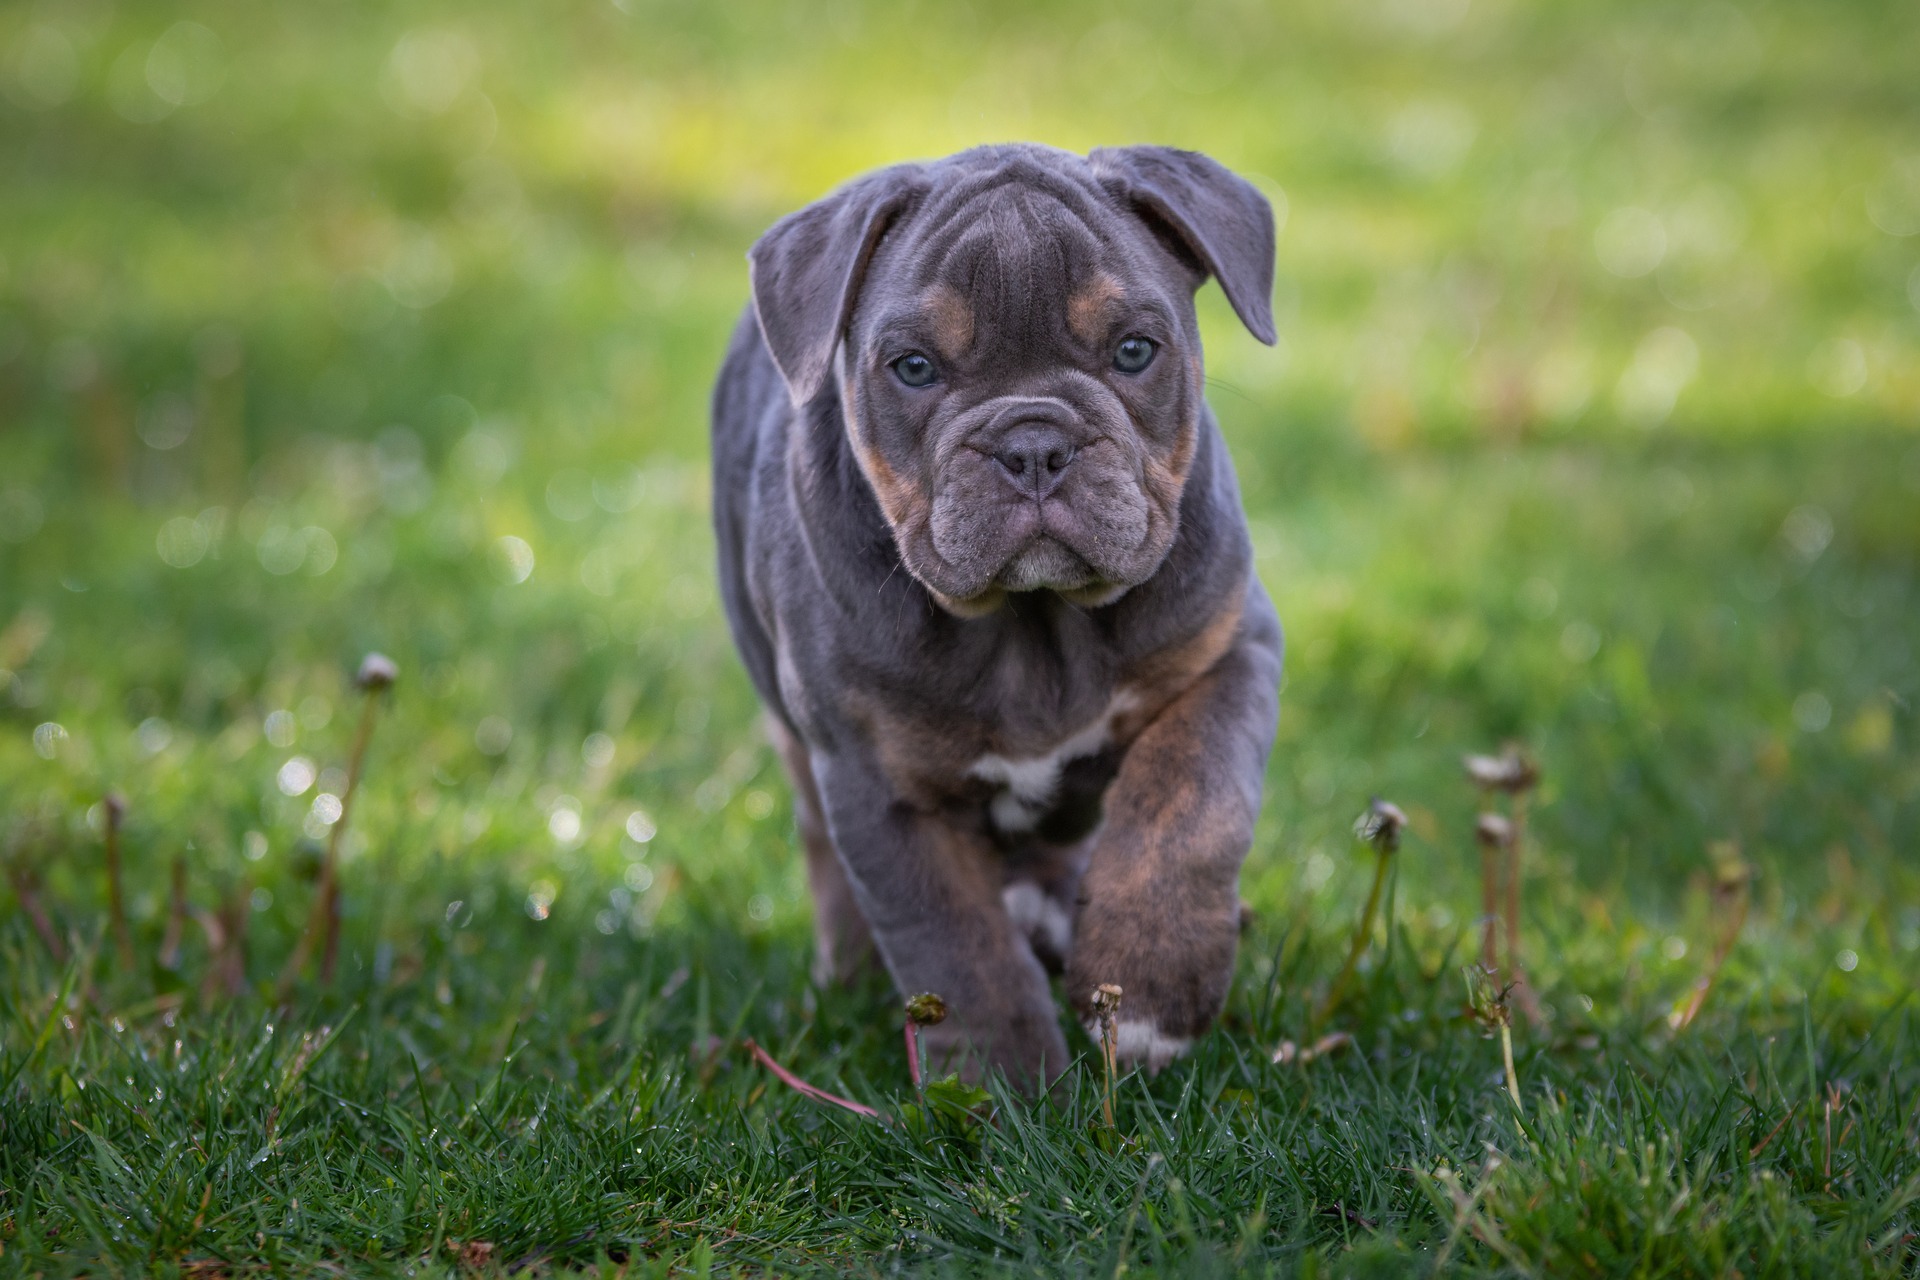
511	559
48	739
44	69
493	735
1630	242
597	751
281	728
640	827
296	776
1812	712
182	542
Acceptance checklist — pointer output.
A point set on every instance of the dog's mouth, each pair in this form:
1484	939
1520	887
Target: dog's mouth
1036	508
1045	564
1080	543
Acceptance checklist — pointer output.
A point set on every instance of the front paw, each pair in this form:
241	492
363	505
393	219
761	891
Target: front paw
1026	1046
1173	977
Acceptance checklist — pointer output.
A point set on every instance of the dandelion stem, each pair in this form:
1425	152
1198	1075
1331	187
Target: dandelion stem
116	897
1489	906
795	1083
26	888
1362	935
1513	1077
923	1010
1731	899
176	914
1379	826
1106	1005
1514	844
323	921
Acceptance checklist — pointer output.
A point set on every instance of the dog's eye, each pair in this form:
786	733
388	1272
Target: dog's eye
1134	354
915	370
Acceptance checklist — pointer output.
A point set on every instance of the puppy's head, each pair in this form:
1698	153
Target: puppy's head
1011	334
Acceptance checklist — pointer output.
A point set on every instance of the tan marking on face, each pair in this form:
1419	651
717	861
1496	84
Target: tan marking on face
1095	595
951	319
1087	307
898	498
1165	478
974	606
901	500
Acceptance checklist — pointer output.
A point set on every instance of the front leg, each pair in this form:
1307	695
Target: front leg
1160	901
928	884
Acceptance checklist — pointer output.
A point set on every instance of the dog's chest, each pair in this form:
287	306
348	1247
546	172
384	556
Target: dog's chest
1027	785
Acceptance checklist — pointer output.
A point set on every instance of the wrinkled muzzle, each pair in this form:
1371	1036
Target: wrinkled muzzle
1030	494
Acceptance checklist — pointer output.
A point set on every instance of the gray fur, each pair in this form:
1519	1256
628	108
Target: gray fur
943	594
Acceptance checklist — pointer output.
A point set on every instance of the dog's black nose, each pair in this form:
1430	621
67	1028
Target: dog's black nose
1034	457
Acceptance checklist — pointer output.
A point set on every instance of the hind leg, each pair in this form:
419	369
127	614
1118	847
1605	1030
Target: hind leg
842	943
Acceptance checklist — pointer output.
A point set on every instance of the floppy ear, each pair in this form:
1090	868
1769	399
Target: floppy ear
806	271
1220	217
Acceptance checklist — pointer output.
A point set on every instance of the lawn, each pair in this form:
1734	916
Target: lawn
1594	428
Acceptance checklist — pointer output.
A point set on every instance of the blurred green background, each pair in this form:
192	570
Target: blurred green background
348	326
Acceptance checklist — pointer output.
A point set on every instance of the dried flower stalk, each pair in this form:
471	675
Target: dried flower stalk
1502	845
115	807
376	675
1106	1007
1732	886
1379	826
795	1083
923	1010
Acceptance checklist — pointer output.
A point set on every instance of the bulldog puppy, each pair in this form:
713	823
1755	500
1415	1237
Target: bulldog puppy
983	555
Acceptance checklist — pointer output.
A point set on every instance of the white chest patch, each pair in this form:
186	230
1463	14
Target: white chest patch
1028	784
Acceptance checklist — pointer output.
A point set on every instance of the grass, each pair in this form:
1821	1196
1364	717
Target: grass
422	303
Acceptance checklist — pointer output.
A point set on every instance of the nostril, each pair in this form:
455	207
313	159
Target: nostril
1035	457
